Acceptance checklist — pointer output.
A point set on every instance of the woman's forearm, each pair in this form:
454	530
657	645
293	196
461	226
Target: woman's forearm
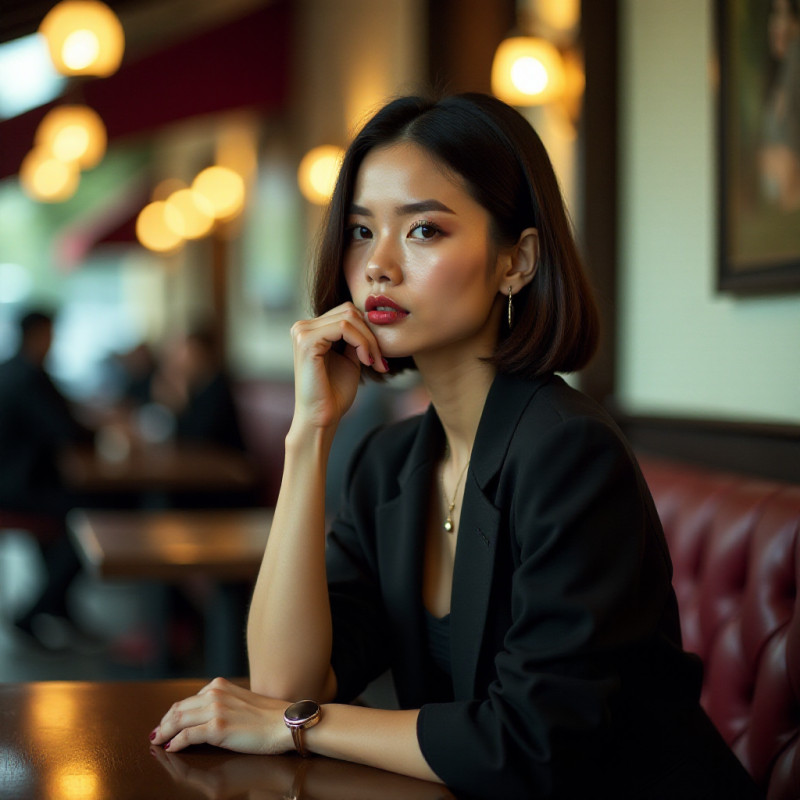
371	736
289	625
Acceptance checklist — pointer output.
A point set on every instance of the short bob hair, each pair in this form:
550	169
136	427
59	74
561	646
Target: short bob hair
506	169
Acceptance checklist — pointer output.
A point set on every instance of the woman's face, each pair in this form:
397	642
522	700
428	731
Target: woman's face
417	257
784	26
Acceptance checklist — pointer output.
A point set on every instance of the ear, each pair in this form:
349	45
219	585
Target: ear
521	262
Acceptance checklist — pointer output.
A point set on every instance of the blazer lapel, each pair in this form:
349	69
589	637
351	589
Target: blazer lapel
400	525
472	583
479	529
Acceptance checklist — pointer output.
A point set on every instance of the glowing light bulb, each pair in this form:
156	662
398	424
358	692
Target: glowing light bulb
80	50
318	172
527	71
46	179
195	214
156	227
73	133
529	75
84	37
223	189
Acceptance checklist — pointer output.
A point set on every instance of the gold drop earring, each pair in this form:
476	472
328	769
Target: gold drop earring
510	308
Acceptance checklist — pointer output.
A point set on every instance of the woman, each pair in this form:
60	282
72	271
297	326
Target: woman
779	157
500	553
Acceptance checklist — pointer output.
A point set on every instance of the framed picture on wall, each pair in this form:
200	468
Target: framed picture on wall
758	48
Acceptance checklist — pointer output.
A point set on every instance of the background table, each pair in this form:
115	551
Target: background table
225	546
63	741
167	467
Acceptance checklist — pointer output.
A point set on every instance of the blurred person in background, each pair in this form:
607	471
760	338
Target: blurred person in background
35	424
192	383
138	367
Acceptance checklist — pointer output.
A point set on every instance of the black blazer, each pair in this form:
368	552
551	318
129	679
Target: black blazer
567	669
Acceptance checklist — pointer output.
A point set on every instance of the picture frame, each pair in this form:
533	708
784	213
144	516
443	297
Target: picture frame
758	136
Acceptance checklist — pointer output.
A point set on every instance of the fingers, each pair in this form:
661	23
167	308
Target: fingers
225	715
346	324
194	710
213	729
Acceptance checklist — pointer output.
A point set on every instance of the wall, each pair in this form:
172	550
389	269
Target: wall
684	349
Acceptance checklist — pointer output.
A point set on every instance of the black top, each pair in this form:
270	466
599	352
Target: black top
568	676
438	634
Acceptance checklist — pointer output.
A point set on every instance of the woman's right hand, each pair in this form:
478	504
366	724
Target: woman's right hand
326	372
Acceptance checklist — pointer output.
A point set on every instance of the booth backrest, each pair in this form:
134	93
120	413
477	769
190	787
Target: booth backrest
736	554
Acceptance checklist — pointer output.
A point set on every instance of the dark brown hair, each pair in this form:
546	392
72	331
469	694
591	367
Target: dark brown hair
506	169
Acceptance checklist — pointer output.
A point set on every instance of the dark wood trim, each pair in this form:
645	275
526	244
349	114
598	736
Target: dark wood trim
462	38
597	215
759	449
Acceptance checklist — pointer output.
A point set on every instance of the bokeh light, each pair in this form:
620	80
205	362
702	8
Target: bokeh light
223	189
318	172
195	214
527	71
74	133
46	179
155	232
84	37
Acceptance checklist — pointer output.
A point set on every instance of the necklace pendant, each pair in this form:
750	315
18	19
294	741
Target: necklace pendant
448	525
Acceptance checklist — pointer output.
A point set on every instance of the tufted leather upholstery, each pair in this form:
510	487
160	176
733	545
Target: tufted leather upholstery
735	545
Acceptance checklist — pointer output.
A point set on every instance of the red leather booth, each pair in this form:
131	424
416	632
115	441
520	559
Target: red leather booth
736	553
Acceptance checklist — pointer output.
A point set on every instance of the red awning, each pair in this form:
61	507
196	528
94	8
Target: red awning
244	63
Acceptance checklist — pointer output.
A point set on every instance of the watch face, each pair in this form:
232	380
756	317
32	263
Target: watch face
302	711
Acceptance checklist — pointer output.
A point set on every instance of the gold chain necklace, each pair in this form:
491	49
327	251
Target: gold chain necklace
448	522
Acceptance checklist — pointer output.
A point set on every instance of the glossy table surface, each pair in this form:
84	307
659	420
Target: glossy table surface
169	545
89	741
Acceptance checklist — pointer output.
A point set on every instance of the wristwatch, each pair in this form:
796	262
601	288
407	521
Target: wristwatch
299	716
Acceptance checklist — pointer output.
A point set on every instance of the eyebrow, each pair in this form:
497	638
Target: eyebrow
409	208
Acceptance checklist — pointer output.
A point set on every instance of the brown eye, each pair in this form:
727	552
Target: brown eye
424	230
357	233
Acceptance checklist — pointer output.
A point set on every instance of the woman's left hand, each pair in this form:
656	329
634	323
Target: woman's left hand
228	716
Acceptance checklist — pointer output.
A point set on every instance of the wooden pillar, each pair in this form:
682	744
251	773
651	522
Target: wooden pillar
462	38
599	193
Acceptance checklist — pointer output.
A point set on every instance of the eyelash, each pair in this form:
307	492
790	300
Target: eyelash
420	223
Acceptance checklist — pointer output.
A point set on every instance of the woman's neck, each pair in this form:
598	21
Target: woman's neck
458	392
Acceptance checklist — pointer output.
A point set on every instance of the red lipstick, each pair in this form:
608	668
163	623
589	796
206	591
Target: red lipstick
383	311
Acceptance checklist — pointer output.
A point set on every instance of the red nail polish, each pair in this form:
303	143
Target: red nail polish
385	364
371	359
152	736
166	746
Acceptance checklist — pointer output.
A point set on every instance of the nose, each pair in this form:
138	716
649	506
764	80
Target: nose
383	265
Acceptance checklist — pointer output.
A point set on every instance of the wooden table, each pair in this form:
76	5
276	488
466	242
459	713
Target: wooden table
170	546
89	741
147	468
